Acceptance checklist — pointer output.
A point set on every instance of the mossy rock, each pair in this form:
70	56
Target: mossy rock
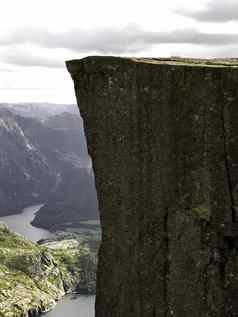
33	277
202	211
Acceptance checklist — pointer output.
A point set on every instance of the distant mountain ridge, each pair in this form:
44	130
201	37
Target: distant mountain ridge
44	158
40	111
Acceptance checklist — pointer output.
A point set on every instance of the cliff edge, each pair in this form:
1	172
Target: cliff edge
163	137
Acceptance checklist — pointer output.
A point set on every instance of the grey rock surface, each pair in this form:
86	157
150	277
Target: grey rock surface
163	137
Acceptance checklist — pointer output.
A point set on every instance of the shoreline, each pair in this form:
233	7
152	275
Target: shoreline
71	283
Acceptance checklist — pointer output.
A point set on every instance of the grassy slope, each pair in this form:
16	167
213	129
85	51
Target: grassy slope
33	277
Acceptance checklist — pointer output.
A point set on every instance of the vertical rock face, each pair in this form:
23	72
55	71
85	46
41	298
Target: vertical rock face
163	136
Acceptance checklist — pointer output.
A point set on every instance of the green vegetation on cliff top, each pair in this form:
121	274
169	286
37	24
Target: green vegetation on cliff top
176	61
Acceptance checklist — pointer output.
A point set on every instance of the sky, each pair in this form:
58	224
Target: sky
38	36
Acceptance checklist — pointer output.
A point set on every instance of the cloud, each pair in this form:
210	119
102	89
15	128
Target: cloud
42	48
7	70
214	11
109	41
22	58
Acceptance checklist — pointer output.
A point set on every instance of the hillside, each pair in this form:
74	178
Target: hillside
34	277
26	176
42	161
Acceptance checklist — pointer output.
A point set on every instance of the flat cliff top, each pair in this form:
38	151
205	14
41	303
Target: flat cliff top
175	61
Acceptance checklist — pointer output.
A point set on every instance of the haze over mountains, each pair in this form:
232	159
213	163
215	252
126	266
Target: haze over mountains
44	159
40	111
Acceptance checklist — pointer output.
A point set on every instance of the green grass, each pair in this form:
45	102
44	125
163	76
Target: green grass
33	275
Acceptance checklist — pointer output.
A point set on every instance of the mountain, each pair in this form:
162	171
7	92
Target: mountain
25	173
41	111
43	161
62	208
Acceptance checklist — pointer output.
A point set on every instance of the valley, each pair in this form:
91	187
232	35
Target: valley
44	159
49	225
66	255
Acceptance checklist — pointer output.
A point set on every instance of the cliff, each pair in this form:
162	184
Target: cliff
34	277
163	137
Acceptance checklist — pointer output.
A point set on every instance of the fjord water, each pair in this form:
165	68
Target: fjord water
21	223
71	305
74	306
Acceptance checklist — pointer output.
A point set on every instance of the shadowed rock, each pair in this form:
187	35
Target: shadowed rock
163	136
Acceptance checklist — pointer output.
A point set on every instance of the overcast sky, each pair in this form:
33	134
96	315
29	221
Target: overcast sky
37	36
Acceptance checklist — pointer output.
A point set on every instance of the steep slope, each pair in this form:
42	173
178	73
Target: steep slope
81	203
26	176
44	161
34	277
